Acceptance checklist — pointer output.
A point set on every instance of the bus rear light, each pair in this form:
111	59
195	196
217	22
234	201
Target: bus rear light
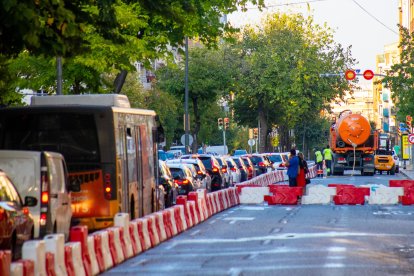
107	189
43	218
45	198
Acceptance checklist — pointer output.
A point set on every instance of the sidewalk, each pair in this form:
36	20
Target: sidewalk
408	171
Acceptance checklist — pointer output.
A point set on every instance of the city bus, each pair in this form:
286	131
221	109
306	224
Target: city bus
110	150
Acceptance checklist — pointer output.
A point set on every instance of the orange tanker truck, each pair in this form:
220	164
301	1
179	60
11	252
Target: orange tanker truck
353	143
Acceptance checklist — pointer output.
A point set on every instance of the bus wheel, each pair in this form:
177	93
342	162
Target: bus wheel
132	208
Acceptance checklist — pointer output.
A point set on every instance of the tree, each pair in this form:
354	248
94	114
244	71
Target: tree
280	81
209	79
105	34
400	79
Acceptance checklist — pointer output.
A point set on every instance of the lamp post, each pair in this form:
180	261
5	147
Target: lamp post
186	121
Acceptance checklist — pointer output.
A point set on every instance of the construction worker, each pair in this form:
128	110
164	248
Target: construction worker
327	155
319	162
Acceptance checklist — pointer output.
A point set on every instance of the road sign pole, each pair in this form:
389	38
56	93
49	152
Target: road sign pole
224	141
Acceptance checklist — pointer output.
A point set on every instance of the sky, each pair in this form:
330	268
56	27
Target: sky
368	27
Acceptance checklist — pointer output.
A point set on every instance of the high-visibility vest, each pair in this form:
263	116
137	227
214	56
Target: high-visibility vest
318	156
327	153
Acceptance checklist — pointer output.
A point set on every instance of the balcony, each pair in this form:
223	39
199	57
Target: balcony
386	112
385	96
385	127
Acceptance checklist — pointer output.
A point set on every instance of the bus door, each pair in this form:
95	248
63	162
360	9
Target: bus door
123	169
140	185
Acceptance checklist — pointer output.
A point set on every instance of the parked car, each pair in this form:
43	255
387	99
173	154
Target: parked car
239	152
261	163
182	177
243	170
234	170
42	175
213	167
201	171
16	222
197	182
249	165
169	186
224	170
278	160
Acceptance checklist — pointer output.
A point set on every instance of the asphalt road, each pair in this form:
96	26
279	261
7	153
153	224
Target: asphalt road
290	240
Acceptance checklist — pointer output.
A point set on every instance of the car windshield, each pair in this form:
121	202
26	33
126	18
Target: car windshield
206	162
176	172
275	158
256	159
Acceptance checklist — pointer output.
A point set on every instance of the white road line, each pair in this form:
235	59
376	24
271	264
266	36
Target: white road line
195	232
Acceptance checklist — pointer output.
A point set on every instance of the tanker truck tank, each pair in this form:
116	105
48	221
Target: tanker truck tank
353	129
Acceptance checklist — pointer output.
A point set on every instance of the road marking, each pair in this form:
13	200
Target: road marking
213	221
195	232
253	208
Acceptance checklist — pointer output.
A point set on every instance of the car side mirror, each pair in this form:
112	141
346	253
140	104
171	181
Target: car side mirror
30	201
74	185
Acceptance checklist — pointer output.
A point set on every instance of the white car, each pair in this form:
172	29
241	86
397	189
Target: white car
201	171
233	170
278	160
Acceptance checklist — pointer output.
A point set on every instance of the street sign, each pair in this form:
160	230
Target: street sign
368	74
190	139
251	142
350	75
411	138
405	147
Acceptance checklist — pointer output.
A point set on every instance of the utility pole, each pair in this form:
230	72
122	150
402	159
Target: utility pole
59	75
186	123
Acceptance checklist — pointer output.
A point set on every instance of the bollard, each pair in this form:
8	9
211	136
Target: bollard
55	243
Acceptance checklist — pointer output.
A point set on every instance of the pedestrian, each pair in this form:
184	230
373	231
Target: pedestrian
303	170
319	162
293	168
327	155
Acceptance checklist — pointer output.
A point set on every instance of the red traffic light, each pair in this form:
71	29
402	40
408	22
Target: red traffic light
368	74
350	74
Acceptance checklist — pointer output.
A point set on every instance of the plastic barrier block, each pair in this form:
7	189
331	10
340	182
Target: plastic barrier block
5	262
115	245
202	196
16	269
351	196
80	234
408	198
102	251
70	268
340	187
385	195
219	199
144	234
283	198
174	223
239	187
182	216
135	243
407	184
193	197
166	216
76	250
193	212
122	220
28	267
161	226
152	229
55	243
178	220
35	250
253	195
285	189
92	255
50	264
212	203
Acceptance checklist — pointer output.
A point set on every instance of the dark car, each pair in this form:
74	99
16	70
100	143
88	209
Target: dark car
261	163
182	177
16	223
213	168
224	170
250	167
243	169
201	171
168	184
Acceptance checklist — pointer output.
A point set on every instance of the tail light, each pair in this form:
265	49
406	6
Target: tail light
224	170
182	181
341	160
368	159
25	210
199	172
261	164
215	170
281	165
44	200
108	186
2	214
233	169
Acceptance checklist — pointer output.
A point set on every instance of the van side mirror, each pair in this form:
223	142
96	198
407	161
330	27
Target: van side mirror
74	185
30	201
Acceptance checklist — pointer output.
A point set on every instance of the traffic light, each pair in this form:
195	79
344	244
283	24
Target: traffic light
250	133
255	133
226	123
220	123
408	120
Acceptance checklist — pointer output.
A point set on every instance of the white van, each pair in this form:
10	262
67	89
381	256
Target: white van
43	175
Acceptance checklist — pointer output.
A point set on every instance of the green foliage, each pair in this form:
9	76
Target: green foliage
400	79
280	81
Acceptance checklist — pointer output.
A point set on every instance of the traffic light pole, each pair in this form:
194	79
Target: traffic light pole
224	140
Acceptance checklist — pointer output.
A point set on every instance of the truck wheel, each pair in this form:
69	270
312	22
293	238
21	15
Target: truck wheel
392	172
